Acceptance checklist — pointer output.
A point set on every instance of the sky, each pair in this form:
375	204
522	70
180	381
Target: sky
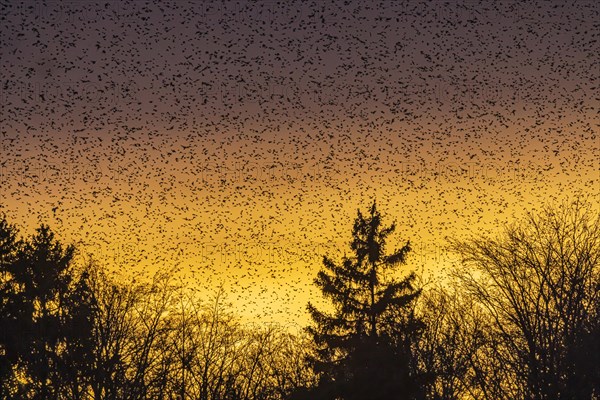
232	142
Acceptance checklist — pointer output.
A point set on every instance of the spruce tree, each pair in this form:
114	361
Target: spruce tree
364	347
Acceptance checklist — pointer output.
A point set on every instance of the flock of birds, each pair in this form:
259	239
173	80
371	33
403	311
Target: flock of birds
232	142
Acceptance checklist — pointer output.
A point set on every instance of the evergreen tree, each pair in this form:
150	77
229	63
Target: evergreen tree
46	311
365	347
11	307
43	274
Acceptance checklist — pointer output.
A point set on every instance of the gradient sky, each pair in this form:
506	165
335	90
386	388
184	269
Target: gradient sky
232	142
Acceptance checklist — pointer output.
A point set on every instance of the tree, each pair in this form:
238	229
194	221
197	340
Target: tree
11	307
45	320
43	274
365	347
539	282
456	348
75	361
112	329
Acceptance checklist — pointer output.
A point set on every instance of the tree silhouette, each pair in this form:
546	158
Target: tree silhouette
157	340
455	347
539	283
365	347
522	321
46	318
11	307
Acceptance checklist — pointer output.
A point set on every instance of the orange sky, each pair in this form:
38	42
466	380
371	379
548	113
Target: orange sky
234	148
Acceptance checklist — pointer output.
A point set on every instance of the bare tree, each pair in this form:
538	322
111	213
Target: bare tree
539	284
133	357
455	347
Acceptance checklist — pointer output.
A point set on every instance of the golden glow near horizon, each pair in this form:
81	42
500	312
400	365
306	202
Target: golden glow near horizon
259	227
237	153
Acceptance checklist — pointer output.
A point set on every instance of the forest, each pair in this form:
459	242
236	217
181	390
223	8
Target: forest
518	317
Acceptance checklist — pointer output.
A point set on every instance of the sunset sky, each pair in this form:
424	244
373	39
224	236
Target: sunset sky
232	142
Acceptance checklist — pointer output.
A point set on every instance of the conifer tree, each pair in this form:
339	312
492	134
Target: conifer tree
365	346
46	318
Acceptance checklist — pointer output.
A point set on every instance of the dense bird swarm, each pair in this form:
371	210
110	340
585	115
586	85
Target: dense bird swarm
231	142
